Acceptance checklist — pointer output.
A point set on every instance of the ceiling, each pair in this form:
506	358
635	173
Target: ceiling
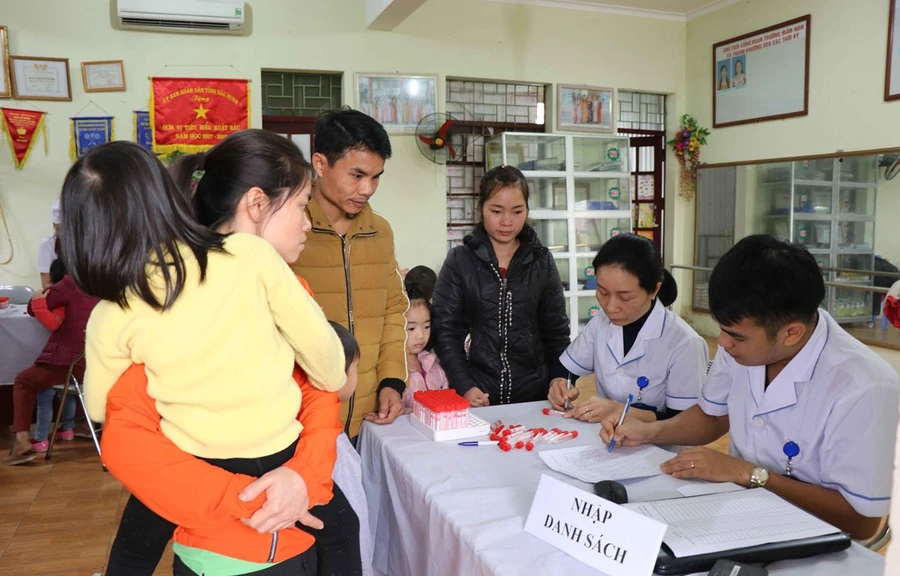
663	9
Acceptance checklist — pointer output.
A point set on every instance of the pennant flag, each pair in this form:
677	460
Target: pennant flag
21	127
89	132
194	114
143	133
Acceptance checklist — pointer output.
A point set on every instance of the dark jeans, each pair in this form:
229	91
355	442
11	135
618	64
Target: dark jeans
143	535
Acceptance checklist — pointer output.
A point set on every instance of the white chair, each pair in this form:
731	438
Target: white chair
17	294
72	385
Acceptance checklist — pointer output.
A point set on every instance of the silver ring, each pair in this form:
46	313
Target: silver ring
692	464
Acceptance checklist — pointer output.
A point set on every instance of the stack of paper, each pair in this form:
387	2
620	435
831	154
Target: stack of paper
729	521
592	464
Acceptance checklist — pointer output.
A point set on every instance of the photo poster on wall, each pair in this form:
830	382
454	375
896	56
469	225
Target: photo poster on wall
892	77
763	75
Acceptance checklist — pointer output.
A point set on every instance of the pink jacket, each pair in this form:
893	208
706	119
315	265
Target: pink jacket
431	378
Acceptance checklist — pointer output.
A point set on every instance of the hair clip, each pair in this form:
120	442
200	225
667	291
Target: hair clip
195	179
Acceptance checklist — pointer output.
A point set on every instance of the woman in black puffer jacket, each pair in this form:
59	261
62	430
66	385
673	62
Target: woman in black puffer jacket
502	288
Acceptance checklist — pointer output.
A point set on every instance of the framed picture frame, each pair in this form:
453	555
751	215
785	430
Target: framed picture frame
5	82
397	101
36	78
585	108
762	75
892	71
103	76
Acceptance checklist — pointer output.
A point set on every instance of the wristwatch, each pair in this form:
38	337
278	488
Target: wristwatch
759	477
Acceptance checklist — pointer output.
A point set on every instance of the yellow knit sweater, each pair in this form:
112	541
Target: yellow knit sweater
219	361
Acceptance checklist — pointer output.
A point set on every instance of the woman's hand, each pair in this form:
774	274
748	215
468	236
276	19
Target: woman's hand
477	398
596	410
559	393
287	502
632	432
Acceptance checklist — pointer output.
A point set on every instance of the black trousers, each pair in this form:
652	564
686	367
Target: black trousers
143	535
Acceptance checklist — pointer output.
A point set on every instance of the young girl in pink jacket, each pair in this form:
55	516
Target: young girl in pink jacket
425	372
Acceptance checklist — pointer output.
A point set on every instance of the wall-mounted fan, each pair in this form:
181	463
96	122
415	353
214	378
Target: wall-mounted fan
433	138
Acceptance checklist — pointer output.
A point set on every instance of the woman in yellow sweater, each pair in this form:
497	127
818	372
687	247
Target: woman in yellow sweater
217	319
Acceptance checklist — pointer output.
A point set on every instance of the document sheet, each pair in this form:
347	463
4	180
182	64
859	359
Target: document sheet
593	464
731	520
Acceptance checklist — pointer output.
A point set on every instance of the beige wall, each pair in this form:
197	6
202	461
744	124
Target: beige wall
846	104
462	38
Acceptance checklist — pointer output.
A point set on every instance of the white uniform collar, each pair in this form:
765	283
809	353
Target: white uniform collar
782	392
652	329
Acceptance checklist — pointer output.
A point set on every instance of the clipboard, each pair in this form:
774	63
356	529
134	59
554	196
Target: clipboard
667	564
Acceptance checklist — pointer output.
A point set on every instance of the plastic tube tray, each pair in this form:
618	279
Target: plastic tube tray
477	427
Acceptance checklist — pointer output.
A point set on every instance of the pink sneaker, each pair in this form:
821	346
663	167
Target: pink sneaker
40	446
65	435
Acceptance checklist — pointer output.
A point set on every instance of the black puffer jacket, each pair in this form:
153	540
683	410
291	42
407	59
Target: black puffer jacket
518	324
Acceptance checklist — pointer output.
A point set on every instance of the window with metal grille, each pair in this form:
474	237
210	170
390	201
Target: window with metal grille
641	111
287	93
482	109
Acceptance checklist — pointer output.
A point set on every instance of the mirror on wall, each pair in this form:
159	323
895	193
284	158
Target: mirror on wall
840	208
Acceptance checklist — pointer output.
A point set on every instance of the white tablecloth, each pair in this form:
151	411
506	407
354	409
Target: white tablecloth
439	509
21	340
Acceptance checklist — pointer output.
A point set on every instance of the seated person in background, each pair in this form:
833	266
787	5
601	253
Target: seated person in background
348	466
634	345
424	279
51	320
425	372
49	249
812	412
64	345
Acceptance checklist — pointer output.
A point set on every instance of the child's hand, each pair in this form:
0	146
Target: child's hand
477	398
287	502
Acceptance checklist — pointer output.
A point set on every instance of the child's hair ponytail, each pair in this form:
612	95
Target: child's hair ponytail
217	179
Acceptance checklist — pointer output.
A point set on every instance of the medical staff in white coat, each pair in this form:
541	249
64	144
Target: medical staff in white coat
812	412
633	345
47	250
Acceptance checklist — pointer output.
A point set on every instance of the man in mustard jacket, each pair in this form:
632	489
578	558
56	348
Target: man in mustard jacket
349	261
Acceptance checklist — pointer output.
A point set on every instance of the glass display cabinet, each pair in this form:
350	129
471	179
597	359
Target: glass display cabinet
827	205
580	197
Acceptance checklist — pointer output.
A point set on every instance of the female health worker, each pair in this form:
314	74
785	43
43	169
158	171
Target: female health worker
634	345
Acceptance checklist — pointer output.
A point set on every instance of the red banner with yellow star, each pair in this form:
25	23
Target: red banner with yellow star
193	114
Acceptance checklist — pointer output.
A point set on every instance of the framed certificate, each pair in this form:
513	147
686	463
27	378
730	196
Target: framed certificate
103	76
5	90
36	78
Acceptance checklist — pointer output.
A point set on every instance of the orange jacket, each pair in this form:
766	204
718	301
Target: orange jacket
201	498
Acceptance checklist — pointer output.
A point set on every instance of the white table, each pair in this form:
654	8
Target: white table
440	509
21	340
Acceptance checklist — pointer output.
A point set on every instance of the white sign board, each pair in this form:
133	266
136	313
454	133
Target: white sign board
599	533
763	75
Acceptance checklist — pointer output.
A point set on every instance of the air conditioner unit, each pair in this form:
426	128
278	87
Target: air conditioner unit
216	16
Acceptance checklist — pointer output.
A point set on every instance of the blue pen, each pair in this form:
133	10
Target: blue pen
480	443
612	443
